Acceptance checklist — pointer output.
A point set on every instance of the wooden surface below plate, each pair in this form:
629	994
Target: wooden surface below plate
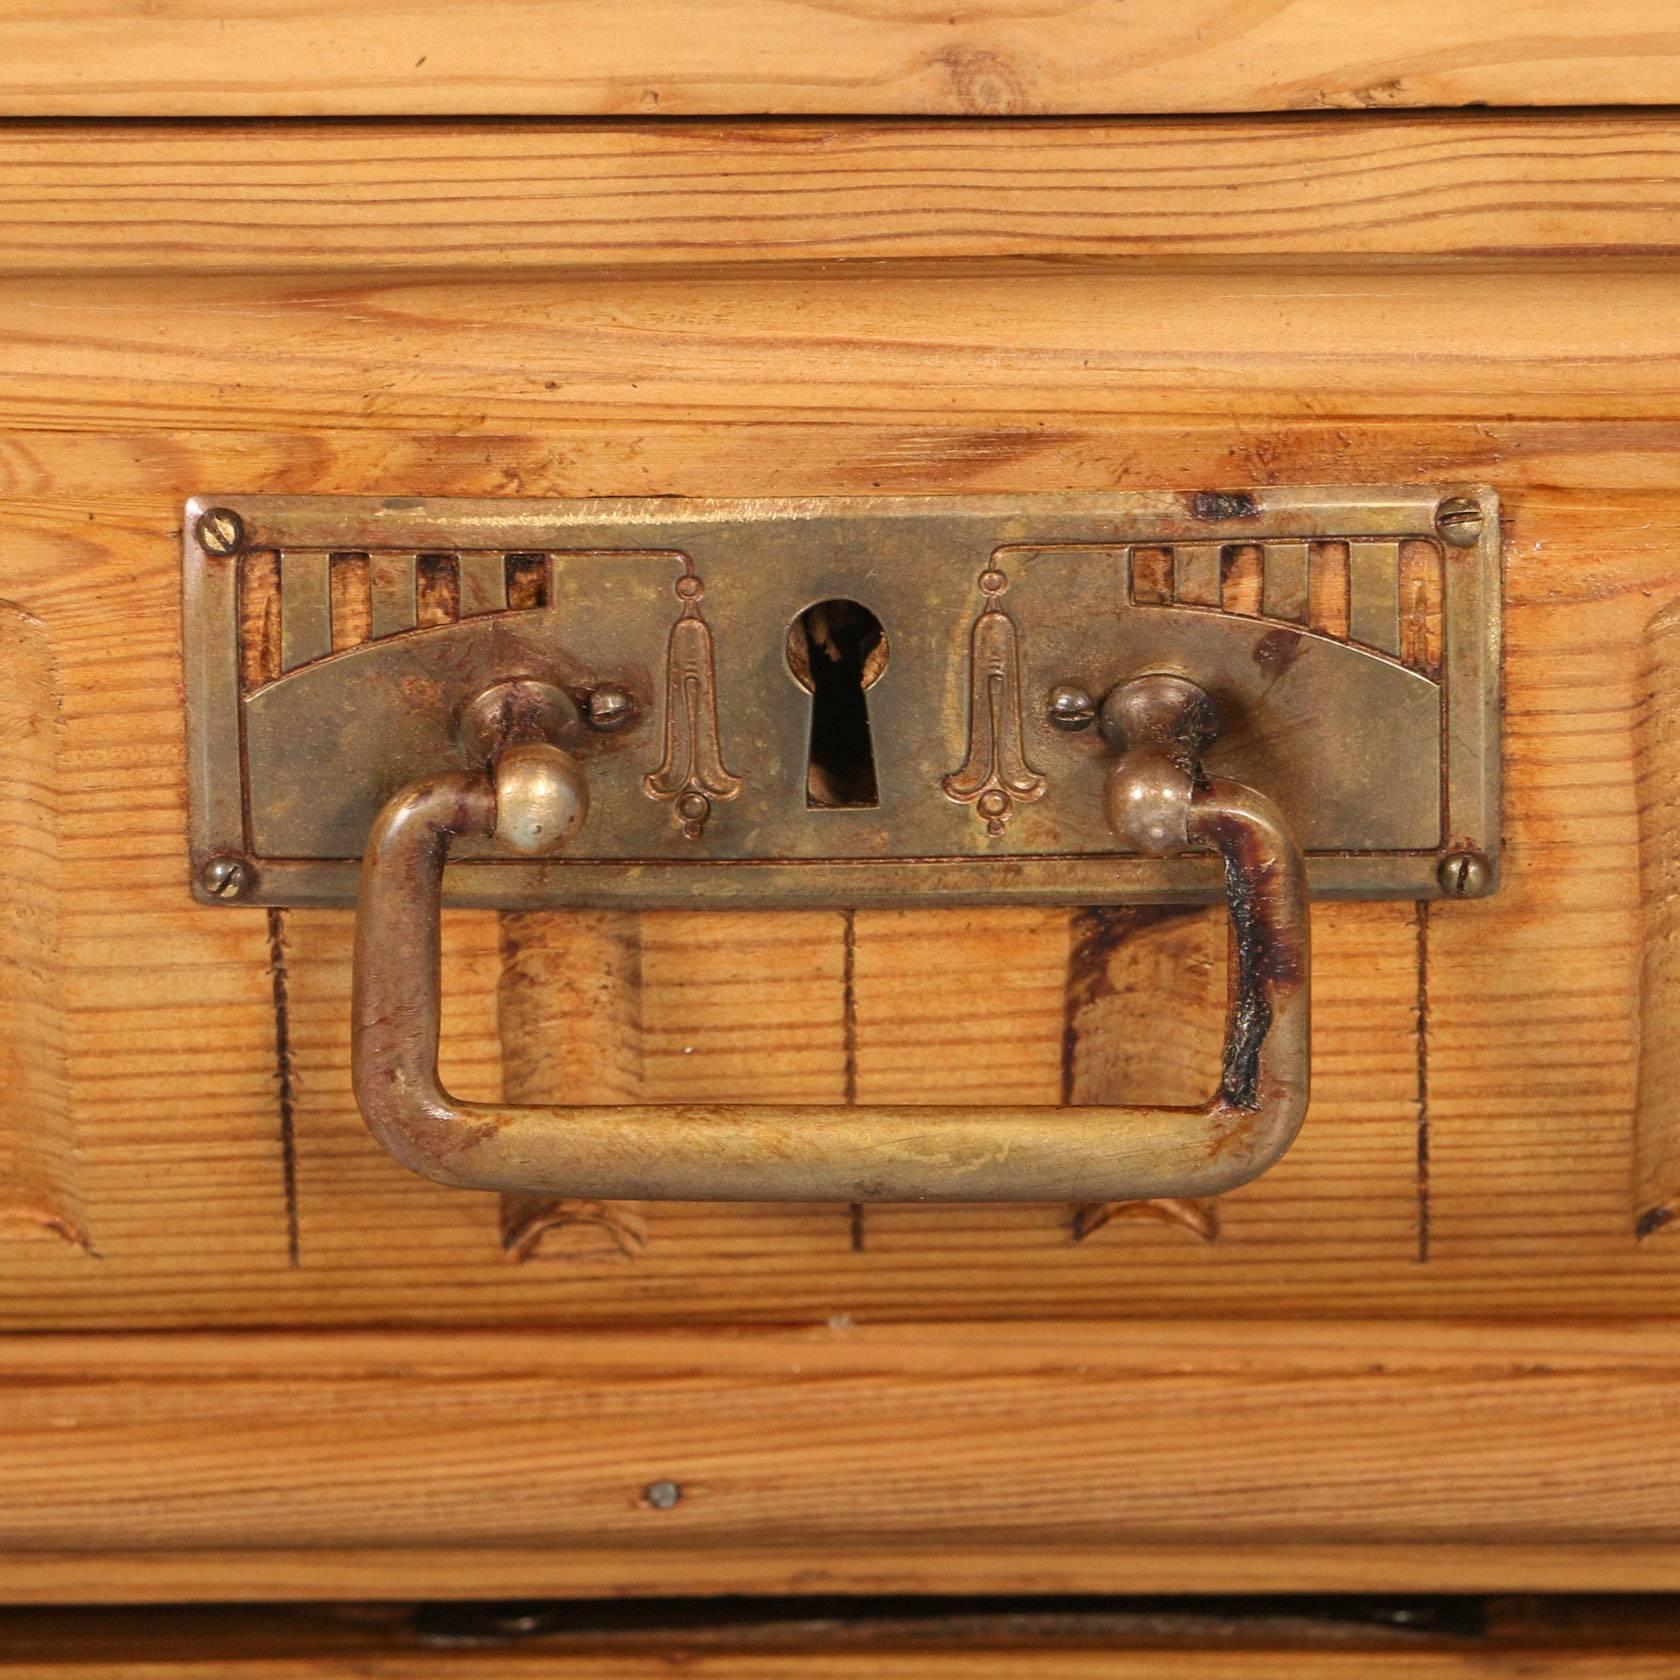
1193	1456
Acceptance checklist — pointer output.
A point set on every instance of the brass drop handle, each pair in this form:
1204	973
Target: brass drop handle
1156	799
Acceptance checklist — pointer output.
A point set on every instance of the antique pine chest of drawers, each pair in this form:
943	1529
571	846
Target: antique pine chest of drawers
838	448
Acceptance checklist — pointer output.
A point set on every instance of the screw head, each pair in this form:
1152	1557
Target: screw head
220	531
662	1495
1458	520
226	877
1070	707
1464	875
609	709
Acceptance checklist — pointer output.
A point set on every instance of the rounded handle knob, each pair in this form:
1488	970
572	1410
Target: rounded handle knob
542	798
1161	723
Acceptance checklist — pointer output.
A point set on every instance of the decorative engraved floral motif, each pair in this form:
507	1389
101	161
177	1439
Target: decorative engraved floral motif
692	772
995	776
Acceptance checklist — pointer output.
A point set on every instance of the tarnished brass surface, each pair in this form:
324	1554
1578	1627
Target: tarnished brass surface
692	1151
542	798
672	626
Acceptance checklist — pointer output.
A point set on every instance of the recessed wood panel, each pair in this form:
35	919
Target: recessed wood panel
41	1189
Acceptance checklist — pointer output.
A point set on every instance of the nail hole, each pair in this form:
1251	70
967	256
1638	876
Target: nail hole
662	1495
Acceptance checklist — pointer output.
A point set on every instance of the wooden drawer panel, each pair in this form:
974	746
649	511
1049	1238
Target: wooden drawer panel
842	1394
1473	1138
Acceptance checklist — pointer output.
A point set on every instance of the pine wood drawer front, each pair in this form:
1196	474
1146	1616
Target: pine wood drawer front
1490	1130
798	310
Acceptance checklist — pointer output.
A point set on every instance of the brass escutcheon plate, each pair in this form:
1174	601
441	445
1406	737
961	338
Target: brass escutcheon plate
1350	638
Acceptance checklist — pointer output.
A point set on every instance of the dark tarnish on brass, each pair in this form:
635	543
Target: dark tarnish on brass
1368	712
516	692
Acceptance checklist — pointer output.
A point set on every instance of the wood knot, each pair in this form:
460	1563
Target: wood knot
985	85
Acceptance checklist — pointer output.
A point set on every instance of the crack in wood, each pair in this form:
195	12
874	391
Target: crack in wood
849	1029
283	1081
1423	1081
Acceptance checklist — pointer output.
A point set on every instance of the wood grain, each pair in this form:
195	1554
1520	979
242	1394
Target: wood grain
389	198
141	466
996	345
1529	1175
265	1575
1550	981
987	58
40	1168
169	1028
849	1444
569	1015
959	1398
1142	1023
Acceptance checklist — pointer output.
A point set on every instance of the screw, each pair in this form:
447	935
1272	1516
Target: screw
1464	875
662	1496
609	709
220	531
1459	521
1071	707
226	877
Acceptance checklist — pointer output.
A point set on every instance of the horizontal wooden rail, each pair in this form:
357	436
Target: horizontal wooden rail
1183	1456
832	57
395	197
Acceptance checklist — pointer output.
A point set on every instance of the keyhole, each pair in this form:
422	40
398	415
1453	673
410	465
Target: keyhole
837	650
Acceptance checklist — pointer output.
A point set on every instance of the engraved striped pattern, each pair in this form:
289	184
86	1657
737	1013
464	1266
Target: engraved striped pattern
326	601
1380	593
